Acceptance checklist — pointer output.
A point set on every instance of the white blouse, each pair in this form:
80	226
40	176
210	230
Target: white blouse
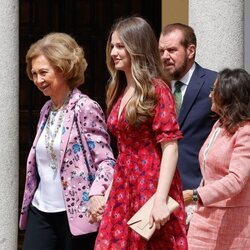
49	194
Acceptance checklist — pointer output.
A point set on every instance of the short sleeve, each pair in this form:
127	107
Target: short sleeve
165	123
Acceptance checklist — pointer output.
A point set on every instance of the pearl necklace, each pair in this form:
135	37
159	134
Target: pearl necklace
50	137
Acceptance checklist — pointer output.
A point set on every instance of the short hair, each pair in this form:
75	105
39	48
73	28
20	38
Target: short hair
64	54
231	95
189	36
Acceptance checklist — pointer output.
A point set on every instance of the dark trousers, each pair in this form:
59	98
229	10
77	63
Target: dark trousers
50	231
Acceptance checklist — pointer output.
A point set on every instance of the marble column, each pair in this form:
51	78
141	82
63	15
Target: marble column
247	35
219	27
9	151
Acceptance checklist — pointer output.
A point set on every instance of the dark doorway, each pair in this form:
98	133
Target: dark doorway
88	21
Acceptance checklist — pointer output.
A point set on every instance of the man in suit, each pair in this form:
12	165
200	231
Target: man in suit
177	46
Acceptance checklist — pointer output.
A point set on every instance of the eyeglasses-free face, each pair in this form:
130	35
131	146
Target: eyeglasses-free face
211	95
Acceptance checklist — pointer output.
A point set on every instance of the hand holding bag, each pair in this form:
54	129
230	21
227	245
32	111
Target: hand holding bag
140	220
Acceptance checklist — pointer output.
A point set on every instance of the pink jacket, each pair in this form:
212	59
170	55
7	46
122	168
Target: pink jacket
226	174
82	174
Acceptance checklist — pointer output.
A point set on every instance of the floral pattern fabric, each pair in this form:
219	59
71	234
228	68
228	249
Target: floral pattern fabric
136	177
86	161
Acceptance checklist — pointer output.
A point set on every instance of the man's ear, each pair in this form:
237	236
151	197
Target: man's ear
191	49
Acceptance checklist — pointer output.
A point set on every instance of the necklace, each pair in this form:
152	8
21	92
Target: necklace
52	116
50	135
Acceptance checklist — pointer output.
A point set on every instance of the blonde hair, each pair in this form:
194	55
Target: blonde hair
64	54
142	46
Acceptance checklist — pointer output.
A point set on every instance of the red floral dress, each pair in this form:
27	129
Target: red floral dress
136	177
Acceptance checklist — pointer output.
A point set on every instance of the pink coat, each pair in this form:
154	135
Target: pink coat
82	174
222	222
226	173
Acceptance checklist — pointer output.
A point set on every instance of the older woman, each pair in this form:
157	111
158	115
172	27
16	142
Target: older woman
222	219
71	161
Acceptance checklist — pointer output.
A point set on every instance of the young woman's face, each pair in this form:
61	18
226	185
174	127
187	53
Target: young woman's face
119	54
49	81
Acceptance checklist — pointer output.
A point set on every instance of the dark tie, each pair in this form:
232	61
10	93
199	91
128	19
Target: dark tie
178	96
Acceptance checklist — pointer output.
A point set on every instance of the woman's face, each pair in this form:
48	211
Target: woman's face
48	80
214	106
119	54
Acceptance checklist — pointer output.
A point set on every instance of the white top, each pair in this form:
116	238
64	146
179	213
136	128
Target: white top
185	80
49	194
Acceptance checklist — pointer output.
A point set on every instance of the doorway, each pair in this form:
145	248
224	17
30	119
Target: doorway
89	22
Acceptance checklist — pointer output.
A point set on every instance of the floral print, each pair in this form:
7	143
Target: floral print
84	171
136	177
76	148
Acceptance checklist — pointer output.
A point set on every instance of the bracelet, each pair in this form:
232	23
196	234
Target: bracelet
195	195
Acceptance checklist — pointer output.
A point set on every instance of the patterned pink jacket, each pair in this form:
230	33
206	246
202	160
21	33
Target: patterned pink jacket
86	161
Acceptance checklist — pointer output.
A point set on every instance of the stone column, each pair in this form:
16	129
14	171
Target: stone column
247	36
9	152
219	27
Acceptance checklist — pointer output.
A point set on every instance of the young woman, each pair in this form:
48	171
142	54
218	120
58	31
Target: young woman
142	117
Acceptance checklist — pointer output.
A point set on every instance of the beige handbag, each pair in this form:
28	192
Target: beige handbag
140	221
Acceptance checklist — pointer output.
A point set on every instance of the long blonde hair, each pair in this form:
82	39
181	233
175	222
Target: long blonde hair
142	46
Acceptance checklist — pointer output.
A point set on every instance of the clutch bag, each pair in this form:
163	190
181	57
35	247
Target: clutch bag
139	222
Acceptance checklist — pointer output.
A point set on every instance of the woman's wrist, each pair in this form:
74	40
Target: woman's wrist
188	196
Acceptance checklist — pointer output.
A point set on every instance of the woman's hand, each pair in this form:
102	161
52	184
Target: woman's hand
188	196
96	208
160	214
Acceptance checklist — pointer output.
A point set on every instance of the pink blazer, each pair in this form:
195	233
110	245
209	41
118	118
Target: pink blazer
82	174
226	173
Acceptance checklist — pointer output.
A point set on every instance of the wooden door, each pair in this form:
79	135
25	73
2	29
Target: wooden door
89	22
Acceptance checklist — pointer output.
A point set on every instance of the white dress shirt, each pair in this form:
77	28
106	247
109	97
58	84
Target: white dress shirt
185	80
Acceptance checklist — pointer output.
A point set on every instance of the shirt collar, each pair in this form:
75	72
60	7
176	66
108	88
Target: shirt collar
186	78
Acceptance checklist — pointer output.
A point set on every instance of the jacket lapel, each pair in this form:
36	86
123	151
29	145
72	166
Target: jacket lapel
42	121
40	126
193	89
68	122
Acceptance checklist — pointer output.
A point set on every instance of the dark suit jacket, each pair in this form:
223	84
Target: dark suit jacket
196	122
